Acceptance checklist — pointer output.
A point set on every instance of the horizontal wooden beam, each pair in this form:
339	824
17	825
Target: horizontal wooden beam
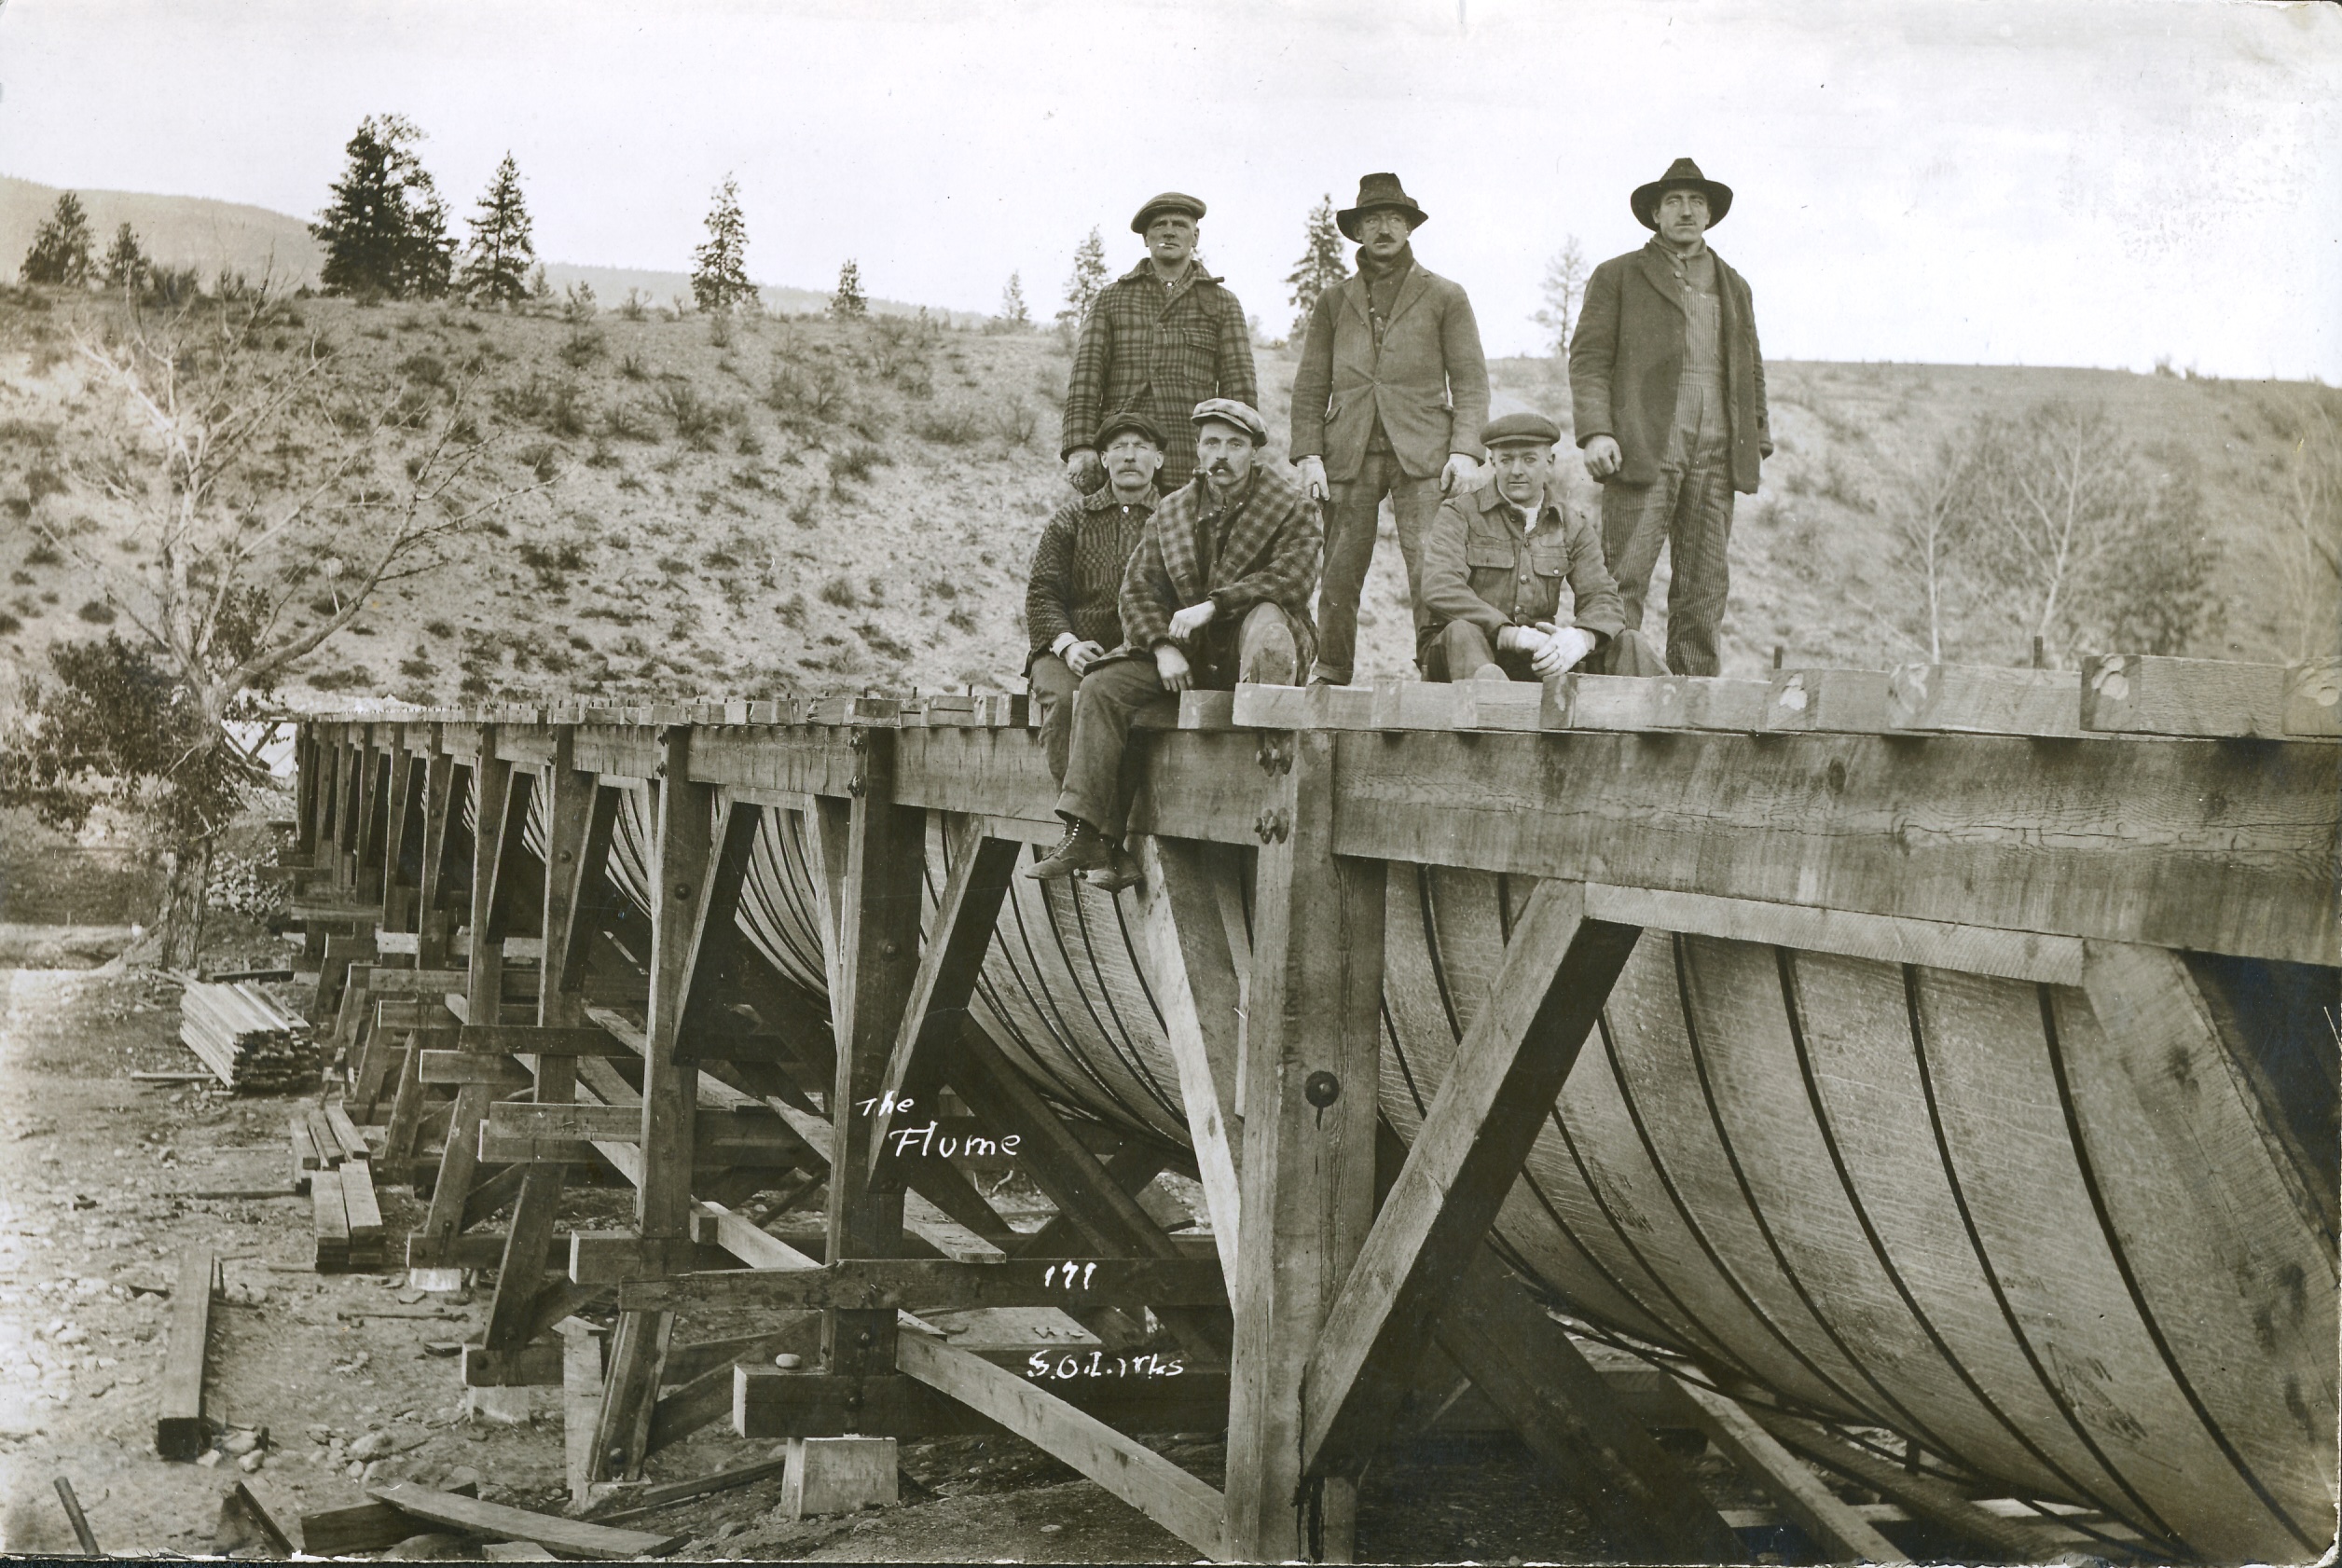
868	1284
768	1403
542	1041
2207	845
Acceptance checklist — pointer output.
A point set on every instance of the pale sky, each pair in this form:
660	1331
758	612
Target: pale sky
2003	181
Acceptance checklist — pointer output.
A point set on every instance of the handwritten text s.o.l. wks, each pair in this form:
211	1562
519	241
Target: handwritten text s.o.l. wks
1149	1366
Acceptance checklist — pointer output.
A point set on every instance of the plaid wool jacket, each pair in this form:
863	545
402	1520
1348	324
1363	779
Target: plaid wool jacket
1270	554
1162	352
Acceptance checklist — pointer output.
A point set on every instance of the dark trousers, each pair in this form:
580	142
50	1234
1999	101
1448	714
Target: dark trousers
1689	509
1458	650
1352	522
1264	647
1051	685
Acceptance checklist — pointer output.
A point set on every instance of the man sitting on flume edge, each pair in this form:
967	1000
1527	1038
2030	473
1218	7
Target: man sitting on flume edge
1216	593
1495	562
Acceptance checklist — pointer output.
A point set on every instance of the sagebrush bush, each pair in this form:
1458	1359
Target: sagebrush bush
856	462
951	424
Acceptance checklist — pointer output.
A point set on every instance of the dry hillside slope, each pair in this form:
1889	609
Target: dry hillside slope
815	505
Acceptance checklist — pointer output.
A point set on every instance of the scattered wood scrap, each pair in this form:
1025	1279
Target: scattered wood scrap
180	1431
363	1526
496	1521
651	1499
246	1041
80	1520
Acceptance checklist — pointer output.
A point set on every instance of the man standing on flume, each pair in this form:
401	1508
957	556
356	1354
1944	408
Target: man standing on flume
1387	400
1160	339
1667	385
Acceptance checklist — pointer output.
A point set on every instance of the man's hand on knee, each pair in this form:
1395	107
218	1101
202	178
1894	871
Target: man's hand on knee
1079	657
1171	666
1563	650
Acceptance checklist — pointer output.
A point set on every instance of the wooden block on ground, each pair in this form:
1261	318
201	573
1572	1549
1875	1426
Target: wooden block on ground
1826	699
321	1131
363	1213
1984	699
838	1475
2137	694
537	1365
2314	697
361	1528
181	1429
266	1512
345	1131
333	1221
305	1155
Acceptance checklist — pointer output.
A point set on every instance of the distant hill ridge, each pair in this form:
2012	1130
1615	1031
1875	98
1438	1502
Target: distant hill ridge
209	235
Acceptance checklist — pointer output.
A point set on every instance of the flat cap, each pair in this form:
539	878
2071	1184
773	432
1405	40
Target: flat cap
1228	411
1169	202
1523	429
1127	419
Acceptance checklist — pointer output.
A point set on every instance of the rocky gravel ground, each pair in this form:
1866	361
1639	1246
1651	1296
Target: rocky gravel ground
324	1383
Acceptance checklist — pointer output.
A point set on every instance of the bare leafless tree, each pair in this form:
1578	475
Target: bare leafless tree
256	491
1562	289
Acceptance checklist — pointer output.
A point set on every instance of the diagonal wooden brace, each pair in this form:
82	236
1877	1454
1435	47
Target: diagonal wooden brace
1557	973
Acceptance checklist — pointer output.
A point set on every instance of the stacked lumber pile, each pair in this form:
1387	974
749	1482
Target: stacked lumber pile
244	1039
332	1163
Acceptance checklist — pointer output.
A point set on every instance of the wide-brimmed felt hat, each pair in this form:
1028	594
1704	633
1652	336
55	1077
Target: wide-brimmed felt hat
1682	174
1228	411
1122	420
1169	202
1379	190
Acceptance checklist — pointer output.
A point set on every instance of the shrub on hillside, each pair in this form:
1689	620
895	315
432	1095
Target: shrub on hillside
698	418
839	590
582	346
856	462
630	420
953	424
1015	422
813	394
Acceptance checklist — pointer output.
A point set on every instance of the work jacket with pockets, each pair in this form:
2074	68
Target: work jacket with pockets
1480	565
1626	359
1426	381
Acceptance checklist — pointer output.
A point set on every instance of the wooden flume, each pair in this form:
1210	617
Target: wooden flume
1922	1050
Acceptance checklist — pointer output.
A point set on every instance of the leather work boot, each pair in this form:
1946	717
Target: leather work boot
1120	873
1082	849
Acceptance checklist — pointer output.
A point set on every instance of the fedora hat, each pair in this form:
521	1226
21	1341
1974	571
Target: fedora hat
1378	190
1682	174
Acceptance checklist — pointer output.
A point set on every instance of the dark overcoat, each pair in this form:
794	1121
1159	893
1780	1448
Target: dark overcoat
1626	358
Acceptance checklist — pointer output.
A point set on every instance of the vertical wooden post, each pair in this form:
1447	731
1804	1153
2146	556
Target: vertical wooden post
1313	1070
395	836
345	805
374	815
680	863
483	992
431	931
878	960
305	789
568	820
681	851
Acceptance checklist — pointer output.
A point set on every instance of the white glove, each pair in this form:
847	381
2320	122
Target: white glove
1458	474
1563	650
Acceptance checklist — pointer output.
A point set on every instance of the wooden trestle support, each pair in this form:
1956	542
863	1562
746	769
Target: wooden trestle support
2070	834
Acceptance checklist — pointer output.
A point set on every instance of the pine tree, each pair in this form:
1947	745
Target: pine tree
1321	267
1012	310
1089	278
849	304
503	243
1564	286
386	232
126	263
60	252
718	269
